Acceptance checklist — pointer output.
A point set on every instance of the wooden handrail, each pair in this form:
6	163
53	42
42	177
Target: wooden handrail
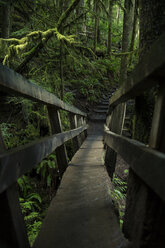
146	188
146	74
147	163
18	161
14	83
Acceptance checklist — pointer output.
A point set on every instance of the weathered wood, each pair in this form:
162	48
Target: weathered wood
81	215
79	124
84	123
13	231
61	153
145	214
115	122
157	134
73	125
16	84
18	161
143	77
135	209
147	163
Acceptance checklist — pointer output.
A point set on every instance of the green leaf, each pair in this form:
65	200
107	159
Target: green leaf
33	196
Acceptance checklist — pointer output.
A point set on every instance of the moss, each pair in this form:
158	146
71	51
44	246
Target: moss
35	34
70	38
30	51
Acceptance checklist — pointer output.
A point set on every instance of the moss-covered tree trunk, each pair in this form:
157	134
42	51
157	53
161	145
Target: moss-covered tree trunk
127	24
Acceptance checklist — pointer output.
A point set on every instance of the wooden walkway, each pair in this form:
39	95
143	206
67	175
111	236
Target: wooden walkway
81	214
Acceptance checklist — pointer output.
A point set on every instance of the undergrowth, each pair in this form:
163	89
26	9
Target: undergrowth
118	194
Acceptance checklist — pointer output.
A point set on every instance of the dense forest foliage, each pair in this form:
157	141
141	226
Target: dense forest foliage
79	50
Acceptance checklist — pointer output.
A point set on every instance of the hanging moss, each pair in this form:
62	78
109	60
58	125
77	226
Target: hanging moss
16	47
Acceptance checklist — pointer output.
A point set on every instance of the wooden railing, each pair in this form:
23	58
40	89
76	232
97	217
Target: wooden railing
146	183
15	162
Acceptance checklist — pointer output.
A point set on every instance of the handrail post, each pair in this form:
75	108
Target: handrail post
61	154
115	125
83	133
80	123
84	122
13	231
73	125
144	215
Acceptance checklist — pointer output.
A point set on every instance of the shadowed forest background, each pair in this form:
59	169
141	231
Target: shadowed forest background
79	50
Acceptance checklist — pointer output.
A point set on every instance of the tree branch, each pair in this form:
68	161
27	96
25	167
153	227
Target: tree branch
42	43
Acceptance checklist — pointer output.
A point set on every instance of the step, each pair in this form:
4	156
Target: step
104	107
98	117
82	215
107	96
105	102
100	110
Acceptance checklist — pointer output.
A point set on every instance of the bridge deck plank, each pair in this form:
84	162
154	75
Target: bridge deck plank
81	214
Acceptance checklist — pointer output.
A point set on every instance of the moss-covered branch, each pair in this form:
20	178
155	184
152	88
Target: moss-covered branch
42	43
15	47
124	54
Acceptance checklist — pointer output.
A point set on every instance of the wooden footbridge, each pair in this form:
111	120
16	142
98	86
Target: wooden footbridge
82	214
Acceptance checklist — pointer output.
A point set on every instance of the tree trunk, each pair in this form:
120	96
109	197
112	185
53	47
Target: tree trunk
135	22
79	11
109	43
6	21
127	24
152	17
96	25
152	23
118	15
61	71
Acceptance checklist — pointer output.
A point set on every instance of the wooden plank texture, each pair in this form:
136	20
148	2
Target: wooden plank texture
13	231
145	210
151	68
157	134
73	125
56	127
18	161
115	124
147	163
12	82
81	215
